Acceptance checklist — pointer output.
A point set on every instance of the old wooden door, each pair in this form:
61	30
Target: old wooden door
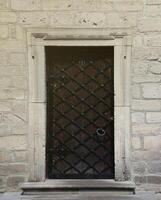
80	112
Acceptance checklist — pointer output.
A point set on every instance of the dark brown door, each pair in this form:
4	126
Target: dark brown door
80	112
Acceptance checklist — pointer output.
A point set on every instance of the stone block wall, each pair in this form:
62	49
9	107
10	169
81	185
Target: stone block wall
139	18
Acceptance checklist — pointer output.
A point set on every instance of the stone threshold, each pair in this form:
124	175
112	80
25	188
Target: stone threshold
78	185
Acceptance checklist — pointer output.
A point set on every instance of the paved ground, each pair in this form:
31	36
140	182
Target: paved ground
139	196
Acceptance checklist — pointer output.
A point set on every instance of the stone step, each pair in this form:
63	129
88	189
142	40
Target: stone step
75	187
80	197
141	195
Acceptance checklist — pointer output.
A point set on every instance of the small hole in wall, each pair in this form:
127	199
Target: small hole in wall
33	57
95	24
124	57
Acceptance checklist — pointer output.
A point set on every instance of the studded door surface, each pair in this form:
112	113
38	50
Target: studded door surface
80	112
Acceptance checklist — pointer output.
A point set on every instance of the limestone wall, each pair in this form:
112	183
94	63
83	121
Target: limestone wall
139	18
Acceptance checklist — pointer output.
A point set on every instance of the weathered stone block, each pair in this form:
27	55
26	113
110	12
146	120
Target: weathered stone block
20	128
12	93
149	179
57	5
154	179
5	106
140	179
138	117
89	19
12	46
153	40
3	156
138	41
16	32
153	117
2	117
153	2
136	91
17	123
140	67
148	78
14	181
153	10
2	184
153	53
152	142
14	142
4	31
151	90
4	4
33	18
4	58
19	82
8	17
20	32
139	54
155	67
17	168
5	82
18	156
19	108
146	105
16	70
17	59
154	167
62	19
139	167
134	5
136	143
26	5
5	130
144	54
146	129
3	169
149	24
94	5
145	155
84	5
121	20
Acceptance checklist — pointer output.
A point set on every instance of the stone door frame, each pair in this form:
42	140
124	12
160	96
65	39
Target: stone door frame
37	39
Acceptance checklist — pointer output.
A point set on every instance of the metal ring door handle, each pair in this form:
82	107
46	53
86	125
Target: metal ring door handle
100	132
